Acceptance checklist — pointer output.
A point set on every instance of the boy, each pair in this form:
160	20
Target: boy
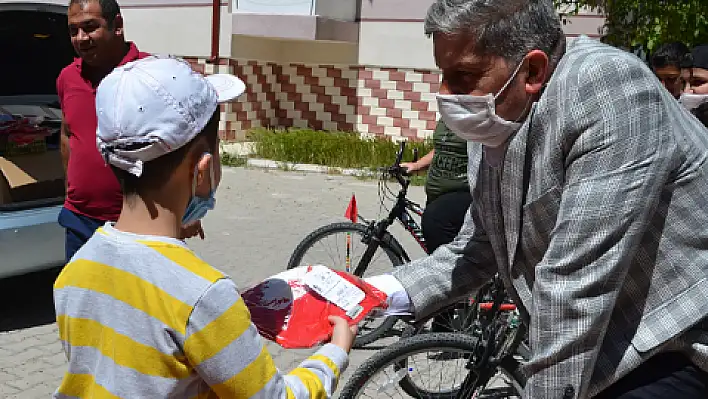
139	315
666	64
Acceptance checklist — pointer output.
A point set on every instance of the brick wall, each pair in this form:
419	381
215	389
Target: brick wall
370	100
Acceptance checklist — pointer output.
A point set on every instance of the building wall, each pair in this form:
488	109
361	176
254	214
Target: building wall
391	34
286	51
179	27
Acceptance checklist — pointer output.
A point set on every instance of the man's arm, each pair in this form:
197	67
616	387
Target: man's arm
618	161
65	151
229	354
452	271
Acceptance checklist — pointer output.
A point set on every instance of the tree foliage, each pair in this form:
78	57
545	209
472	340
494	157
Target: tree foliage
646	24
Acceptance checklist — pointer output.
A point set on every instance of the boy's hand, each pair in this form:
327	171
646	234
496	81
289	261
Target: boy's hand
192	229
343	335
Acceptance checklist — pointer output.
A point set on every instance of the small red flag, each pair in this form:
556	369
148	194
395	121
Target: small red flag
352	213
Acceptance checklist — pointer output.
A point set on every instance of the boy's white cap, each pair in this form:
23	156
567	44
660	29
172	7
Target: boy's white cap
153	106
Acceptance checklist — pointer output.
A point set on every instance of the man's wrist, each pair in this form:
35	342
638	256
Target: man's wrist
398	301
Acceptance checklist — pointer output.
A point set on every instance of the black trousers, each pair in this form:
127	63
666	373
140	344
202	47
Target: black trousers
668	375
443	218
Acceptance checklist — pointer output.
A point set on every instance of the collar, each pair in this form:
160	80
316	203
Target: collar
132	55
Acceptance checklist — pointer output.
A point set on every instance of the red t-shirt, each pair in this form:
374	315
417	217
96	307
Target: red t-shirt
93	189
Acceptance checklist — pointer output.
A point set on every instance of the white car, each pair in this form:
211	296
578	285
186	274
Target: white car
35	48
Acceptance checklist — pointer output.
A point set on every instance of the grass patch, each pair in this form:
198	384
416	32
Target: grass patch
233	160
332	149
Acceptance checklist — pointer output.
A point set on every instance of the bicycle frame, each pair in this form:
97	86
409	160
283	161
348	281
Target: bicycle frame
483	364
400	212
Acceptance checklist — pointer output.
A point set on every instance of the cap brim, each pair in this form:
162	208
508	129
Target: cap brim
228	87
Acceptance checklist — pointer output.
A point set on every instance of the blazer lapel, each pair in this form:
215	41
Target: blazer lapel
513	188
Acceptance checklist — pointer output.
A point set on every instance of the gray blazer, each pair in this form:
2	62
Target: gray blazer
596	218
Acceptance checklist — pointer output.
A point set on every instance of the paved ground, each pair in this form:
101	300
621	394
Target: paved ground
260	218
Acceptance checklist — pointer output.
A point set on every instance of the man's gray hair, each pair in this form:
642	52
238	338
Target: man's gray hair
504	28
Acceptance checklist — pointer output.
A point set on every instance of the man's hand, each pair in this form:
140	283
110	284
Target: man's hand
192	229
399	304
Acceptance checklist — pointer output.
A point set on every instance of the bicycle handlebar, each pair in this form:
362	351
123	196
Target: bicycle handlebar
399	156
396	170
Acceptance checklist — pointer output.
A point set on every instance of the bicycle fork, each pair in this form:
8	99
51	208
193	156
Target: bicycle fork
374	242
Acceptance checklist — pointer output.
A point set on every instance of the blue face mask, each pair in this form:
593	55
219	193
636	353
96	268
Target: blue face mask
198	206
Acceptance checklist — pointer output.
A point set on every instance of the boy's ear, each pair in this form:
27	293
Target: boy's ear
203	164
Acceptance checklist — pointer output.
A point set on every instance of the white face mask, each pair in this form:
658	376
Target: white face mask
692	101
473	118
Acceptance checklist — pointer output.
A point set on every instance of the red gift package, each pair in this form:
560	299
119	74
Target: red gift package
292	308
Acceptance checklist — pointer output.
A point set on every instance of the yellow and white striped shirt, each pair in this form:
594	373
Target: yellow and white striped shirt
144	317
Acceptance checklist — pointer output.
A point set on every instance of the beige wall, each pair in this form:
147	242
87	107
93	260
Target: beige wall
283	51
178	30
391	33
394	9
343	10
395	44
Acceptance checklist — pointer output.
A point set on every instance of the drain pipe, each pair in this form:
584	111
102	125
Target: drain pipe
215	28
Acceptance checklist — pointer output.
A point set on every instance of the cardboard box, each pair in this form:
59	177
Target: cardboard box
31	177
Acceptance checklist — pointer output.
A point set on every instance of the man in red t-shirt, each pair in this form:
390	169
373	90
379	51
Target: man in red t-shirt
93	192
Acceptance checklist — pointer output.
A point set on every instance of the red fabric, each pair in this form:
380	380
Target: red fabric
93	189
23	131
287	312
352	213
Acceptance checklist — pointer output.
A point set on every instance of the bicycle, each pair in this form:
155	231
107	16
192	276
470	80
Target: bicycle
494	346
374	235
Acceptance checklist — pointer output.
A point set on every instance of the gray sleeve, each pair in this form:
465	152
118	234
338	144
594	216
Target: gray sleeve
452	271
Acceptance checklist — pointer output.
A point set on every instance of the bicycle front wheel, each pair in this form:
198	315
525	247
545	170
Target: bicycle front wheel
330	245
437	362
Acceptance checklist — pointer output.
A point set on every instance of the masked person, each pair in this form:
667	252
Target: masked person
139	314
695	95
588	183
446	187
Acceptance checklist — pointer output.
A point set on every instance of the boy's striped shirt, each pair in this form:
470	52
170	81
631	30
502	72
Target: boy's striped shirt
143	317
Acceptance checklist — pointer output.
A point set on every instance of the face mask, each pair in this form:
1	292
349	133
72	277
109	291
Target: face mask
199	206
692	101
473	118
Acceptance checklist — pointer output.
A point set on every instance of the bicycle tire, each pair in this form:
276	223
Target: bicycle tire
389	247
415	344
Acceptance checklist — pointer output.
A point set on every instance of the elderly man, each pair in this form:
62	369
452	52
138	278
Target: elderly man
588	182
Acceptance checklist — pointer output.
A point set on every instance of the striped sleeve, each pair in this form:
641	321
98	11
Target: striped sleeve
228	353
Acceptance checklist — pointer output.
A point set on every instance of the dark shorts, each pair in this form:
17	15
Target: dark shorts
79	229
